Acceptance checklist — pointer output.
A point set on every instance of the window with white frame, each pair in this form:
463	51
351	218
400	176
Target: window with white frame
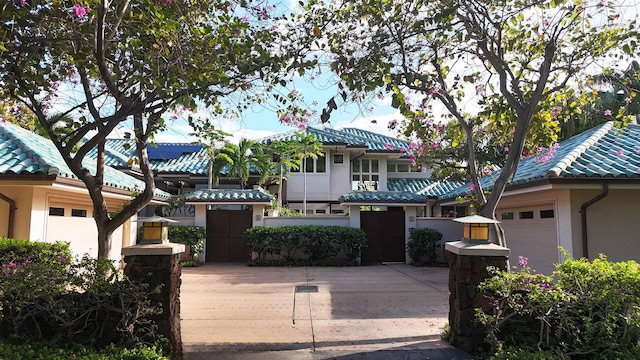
311	165
365	174
402	168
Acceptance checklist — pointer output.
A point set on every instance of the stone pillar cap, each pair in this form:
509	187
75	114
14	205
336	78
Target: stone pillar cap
154	249
467	249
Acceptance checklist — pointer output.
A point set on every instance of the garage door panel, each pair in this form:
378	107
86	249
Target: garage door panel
534	238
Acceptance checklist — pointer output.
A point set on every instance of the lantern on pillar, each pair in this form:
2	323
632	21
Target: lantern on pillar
155	230
476	228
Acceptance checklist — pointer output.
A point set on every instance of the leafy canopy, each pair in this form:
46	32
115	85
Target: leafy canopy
494	67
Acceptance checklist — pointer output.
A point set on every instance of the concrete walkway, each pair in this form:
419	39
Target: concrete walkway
396	311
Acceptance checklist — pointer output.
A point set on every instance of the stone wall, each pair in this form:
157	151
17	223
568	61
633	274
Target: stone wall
164	271
466	272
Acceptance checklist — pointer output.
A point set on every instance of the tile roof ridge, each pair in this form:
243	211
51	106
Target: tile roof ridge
574	154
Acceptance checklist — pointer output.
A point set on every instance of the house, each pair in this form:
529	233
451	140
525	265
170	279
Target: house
583	197
42	200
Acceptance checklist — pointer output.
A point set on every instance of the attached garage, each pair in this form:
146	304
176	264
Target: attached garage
531	232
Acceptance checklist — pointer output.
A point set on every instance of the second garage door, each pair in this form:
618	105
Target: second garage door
531	232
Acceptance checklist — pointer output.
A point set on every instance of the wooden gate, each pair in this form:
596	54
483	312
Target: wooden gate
385	236
226	240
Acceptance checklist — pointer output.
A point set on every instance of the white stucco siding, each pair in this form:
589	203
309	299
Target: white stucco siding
318	186
613	223
340	183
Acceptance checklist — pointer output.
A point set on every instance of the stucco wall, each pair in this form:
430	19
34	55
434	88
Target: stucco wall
451	230
613	223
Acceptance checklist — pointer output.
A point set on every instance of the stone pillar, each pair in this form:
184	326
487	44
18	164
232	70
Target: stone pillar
467	269
159	264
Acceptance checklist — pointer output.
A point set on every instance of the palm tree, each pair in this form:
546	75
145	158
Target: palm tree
243	157
283	155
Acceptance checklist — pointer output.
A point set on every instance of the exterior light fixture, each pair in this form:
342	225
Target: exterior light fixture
155	230
476	228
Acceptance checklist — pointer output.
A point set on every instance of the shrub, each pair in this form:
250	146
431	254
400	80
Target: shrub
47	297
320	244
189	235
422	246
591	311
59	351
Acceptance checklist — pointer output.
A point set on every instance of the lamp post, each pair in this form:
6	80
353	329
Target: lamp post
476	228
155	230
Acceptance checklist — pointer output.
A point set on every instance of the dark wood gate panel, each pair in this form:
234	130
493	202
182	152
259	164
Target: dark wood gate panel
385	235
226	240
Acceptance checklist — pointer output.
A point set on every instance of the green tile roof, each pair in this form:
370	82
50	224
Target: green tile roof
349	137
255	196
603	152
383	197
25	153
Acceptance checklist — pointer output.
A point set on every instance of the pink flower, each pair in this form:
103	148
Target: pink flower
627	100
619	153
506	149
607	112
167	2
80	11
388	147
522	261
472	187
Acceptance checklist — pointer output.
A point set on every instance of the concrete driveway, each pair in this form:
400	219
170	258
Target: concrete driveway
231	311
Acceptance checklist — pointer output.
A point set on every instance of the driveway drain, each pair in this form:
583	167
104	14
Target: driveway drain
306	288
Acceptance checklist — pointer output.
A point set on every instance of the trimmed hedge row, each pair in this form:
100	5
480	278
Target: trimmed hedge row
310	244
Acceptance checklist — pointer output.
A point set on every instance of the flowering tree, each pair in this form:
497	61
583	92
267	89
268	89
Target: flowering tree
101	63
494	67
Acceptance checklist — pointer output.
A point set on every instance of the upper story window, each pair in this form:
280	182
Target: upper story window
365	174
310	165
401	168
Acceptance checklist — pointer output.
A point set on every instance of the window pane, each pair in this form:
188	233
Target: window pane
308	165
507	216
391	167
355	166
546	214
526	214
374	166
375	177
78	212
321	164
56	211
355	178
338	158
365	177
365	165
403	167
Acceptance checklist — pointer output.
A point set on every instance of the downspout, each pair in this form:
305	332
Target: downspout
12	213
583	218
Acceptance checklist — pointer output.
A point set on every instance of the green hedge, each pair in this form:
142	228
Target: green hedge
422	246
307	244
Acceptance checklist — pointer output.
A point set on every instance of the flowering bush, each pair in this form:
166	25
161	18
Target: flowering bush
590	311
45	296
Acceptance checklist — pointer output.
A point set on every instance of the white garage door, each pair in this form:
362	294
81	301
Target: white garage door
531	232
